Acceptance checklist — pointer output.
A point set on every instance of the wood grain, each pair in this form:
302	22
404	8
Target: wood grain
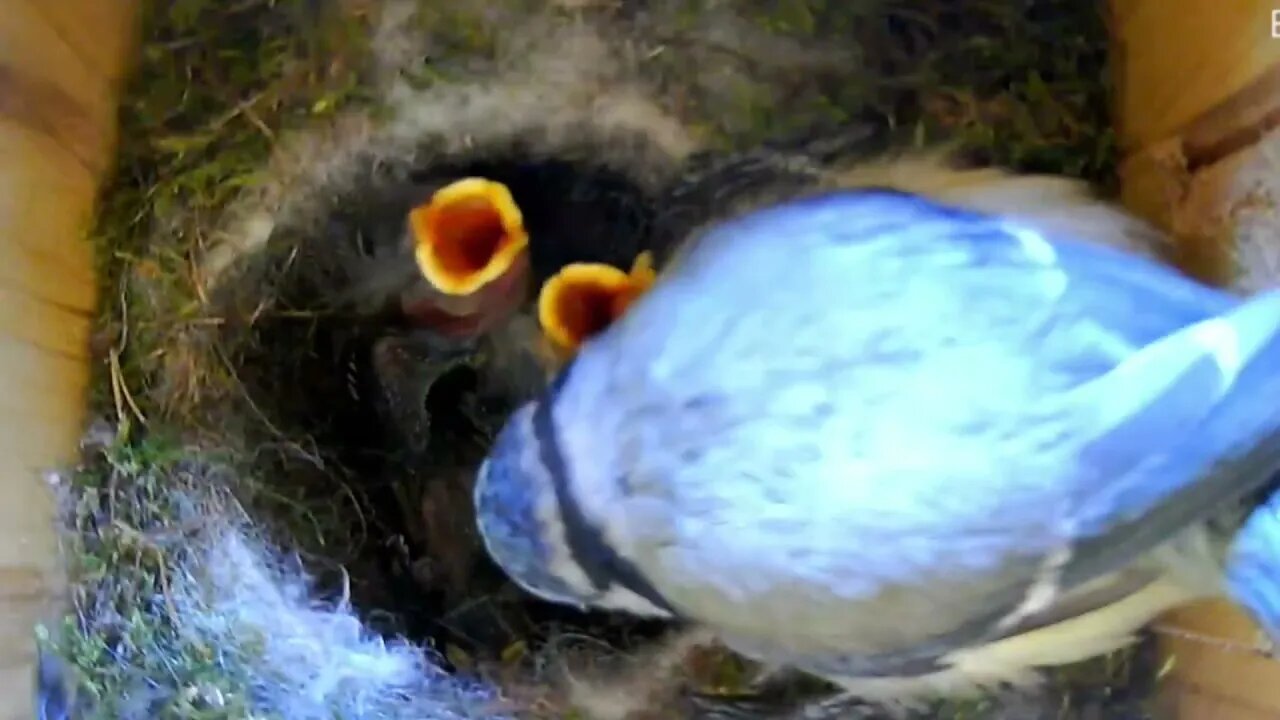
1198	106
62	65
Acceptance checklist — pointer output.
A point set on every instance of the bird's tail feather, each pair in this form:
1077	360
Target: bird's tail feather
1231	455
1253	566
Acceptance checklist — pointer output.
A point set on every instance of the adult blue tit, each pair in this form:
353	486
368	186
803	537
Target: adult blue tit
910	447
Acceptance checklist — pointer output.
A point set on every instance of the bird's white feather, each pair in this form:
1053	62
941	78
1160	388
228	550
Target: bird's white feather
1018	660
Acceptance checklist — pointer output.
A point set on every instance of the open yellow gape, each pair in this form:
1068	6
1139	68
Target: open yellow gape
467	235
584	299
1196	80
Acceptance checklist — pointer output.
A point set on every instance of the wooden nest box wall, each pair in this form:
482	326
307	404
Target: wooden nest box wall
1198	121
61	70
1198	94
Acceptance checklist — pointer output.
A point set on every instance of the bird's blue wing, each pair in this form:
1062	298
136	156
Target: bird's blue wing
1002	325
1184	426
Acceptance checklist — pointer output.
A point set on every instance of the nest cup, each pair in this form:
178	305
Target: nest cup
283	524
306	366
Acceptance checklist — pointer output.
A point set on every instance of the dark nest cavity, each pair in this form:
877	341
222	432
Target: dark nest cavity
413	557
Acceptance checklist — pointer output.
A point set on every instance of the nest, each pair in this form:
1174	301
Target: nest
254	537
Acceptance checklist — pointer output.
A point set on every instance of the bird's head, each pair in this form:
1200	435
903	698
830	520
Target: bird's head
520	517
535	527
471	247
584	299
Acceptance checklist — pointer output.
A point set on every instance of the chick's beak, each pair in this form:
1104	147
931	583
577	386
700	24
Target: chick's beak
584	299
471	247
469	234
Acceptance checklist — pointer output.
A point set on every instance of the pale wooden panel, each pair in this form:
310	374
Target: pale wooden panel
33	439
53	381
100	32
46	201
1178	58
61	65
16	684
30	599
52	328
1191	703
31	447
61	93
1198	85
1219	678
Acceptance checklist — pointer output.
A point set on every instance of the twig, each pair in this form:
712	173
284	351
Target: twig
1219	643
257	411
120	394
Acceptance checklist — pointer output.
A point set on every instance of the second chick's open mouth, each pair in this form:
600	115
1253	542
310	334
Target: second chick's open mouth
584	299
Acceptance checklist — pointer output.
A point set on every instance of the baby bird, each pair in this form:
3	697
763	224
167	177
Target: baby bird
454	258
451	258
471	247
906	441
584	299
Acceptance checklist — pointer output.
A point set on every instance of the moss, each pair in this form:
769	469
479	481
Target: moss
130	508
1019	84
215	86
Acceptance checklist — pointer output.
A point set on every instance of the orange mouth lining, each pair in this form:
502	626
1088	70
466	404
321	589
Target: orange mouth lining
584	299
467	235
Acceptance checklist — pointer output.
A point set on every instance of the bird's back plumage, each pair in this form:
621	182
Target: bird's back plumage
869	405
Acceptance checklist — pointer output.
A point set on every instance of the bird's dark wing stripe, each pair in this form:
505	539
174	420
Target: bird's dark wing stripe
602	564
